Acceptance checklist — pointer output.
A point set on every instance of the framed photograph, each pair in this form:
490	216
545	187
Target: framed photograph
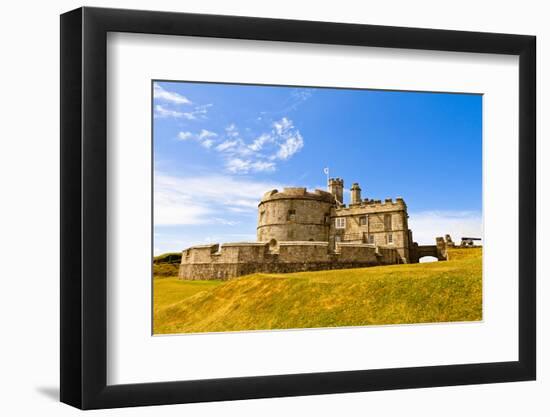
257	208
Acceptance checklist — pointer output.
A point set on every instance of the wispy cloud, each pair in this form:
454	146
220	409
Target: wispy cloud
167	104
162	112
225	145
260	141
185	135
297	97
244	166
231	131
427	225
199	112
281	142
206	134
205	199
290	140
159	93
205	137
241	153
302	94
207	143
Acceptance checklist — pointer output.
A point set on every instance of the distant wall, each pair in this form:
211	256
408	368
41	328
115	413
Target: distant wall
439	250
236	259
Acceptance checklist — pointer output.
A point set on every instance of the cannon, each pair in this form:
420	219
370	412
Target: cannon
468	241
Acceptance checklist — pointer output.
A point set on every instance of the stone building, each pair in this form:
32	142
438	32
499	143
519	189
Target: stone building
299	230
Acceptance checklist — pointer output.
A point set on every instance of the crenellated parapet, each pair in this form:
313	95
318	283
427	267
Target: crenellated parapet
231	260
385	205
299	193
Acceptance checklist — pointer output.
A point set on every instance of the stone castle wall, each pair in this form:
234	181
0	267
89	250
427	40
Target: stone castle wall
375	222
236	259
300	230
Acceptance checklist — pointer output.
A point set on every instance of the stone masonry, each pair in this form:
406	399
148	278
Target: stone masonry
299	230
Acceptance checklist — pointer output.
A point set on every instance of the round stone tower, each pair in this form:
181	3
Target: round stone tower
294	214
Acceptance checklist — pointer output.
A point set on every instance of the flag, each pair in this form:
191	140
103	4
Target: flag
325	170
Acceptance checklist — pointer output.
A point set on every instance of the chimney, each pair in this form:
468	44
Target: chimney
336	188
355	193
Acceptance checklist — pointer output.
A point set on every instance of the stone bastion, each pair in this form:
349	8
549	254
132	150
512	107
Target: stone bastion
277	217
235	259
301	230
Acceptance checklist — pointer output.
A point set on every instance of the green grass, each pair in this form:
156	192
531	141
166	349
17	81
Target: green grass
168	258
171	291
165	270
415	293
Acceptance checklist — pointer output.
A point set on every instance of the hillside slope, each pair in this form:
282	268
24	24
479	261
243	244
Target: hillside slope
415	293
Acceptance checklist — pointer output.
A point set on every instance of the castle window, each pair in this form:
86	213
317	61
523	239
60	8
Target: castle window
327	218
363	220
291	216
390	238
340	222
371	239
387	221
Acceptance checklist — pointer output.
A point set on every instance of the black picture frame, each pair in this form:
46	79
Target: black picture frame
84	207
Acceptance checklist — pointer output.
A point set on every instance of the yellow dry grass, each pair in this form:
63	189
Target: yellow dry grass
414	293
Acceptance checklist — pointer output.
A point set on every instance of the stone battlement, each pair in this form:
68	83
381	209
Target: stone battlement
231	260
297	193
381	205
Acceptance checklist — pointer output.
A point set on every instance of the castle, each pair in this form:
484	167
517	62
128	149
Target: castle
299	230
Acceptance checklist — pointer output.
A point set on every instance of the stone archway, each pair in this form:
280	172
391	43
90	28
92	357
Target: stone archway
431	250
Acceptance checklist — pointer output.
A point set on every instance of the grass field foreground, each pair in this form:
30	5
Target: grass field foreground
397	294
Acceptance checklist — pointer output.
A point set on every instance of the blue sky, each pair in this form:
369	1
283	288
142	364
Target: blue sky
219	147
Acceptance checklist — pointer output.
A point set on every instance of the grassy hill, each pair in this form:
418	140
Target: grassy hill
414	293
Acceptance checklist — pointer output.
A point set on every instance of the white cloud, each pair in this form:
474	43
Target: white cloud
263	166
232	131
280	143
204	137
204	134
234	145
301	95
244	166
226	145
174	99
172	206
160	93
298	96
292	144
427	225
199	112
161	111
236	165
207	143
259	142
185	135
203	200
282	126
289	139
